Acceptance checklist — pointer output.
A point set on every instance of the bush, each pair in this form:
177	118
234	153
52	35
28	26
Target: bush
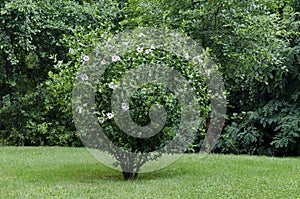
143	101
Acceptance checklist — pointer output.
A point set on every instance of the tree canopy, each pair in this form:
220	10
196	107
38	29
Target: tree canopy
256	45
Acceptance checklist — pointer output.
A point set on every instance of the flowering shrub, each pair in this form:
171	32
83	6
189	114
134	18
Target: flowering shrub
139	104
142	100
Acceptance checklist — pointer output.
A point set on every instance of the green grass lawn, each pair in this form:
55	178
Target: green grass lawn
54	172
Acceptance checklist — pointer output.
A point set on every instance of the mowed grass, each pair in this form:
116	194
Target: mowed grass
55	172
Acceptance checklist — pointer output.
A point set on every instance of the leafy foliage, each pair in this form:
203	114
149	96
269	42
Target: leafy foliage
255	44
140	102
31	32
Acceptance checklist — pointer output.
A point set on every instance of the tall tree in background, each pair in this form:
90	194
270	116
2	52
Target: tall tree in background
255	43
30	33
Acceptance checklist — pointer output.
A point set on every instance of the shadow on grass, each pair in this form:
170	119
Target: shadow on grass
93	173
114	175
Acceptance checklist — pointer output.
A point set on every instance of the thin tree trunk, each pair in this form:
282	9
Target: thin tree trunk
130	169
8	69
1	105
130	176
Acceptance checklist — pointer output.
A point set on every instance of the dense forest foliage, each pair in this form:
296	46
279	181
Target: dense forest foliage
255	43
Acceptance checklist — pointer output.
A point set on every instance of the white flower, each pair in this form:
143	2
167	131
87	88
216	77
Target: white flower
103	62
208	72
112	85
84	77
144	91
86	58
110	115
79	109
115	58
187	56
124	106
141	35
71	51
139	49
148	51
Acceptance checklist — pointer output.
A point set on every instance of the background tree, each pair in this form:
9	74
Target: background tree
252	43
255	44
31	33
